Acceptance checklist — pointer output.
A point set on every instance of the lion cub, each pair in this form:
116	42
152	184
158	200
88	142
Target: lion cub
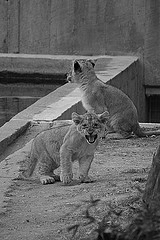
62	145
99	97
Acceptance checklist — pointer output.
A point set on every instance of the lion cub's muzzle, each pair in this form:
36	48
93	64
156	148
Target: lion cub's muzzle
91	138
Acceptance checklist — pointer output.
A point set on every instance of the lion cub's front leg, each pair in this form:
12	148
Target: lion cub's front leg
66	174
84	166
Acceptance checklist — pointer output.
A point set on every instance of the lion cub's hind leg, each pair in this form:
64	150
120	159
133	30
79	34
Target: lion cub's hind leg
108	130
46	167
122	127
125	135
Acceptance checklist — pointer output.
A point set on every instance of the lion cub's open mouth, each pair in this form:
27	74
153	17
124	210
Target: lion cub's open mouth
91	138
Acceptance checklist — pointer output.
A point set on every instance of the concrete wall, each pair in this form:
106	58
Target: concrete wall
15	97
130	82
71	27
84	27
152	43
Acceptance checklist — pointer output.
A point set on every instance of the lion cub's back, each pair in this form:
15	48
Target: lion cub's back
49	140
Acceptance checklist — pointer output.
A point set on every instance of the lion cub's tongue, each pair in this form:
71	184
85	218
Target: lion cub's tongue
91	138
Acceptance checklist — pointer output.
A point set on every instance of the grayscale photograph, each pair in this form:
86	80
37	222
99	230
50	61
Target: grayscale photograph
79	120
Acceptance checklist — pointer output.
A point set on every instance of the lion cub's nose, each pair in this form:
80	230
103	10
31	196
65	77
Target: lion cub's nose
90	131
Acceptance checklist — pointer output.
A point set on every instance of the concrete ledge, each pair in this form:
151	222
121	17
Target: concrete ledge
150	125
10	131
60	64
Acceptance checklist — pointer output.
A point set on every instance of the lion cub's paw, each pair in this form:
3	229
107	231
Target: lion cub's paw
85	179
66	178
46	179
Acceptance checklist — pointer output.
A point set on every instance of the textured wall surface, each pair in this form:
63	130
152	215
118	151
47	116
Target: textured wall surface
152	43
71	27
84	27
18	96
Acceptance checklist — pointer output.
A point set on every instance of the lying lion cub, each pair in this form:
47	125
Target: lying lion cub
62	145
99	97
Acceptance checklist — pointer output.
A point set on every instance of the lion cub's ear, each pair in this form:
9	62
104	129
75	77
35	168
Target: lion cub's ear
104	117
76	118
92	61
77	67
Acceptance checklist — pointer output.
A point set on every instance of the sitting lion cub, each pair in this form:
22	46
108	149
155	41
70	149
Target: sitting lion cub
99	97
62	145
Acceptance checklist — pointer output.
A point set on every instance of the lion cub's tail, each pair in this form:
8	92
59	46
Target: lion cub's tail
140	133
